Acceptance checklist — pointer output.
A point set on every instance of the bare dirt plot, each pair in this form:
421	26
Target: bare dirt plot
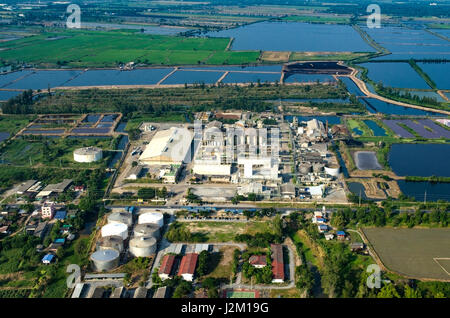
416	253
275	56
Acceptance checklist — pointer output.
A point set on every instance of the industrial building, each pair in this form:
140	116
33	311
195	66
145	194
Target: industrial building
87	154
171	146
166	268
47	211
21	189
187	266
134	173
277	263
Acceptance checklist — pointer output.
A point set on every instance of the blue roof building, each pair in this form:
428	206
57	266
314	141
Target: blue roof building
60	215
340	233
47	259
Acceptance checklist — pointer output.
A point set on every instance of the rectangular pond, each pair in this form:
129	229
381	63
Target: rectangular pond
295	36
148	76
308	78
366	160
44	79
376	129
438	72
5	95
400	75
417	190
422	160
238	77
192	77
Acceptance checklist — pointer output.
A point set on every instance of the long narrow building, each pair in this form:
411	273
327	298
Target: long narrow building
277	263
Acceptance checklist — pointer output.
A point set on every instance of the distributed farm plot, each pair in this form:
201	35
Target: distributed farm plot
426	128
417	253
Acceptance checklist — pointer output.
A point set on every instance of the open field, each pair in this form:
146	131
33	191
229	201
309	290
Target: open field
417	253
272	56
226	231
325	56
109	49
52	152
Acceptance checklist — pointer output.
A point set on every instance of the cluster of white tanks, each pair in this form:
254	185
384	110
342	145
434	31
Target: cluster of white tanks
142	244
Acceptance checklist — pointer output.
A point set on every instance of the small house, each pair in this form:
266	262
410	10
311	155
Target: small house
340	235
329	236
357	247
47	259
322	228
258	261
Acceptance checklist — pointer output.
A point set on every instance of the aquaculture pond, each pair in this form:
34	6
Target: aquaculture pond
148	76
44	79
422	160
377	106
438	72
417	190
376	129
5	95
295	36
357	188
366	160
400	75
7	78
191	77
241	77
308	78
406	43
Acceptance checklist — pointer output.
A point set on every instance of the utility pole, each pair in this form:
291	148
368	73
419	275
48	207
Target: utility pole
359	197
425	197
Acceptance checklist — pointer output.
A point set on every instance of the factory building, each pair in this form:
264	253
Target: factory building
277	263
87	154
170	146
167	264
187	266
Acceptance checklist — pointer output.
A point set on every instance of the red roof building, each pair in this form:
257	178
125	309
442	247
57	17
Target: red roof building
166	266
277	263
258	261
187	266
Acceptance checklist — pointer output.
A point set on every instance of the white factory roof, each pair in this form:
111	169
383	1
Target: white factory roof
170	145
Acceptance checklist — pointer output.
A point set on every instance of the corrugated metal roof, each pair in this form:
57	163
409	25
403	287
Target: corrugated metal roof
188	263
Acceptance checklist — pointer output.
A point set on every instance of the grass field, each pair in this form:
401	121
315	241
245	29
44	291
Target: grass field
418	253
241	294
358	125
75	48
13	124
60	151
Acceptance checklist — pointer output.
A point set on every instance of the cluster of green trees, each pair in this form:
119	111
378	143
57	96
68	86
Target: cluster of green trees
179	233
191	197
150	193
250	197
376	216
260	213
18	253
258	239
20	104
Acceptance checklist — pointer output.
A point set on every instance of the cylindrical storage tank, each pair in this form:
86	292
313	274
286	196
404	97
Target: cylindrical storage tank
147	229
143	246
105	260
110	242
332	170
87	154
305	168
121	217
118	229
151	217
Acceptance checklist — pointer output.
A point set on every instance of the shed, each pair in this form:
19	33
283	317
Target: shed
187	266
258	261
340	235
166	268
60	215
47	259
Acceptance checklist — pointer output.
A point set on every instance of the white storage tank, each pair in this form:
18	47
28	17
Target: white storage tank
121	217
332	170
143	246
147	229
87	154
151	217
118	229
110	242
105	260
